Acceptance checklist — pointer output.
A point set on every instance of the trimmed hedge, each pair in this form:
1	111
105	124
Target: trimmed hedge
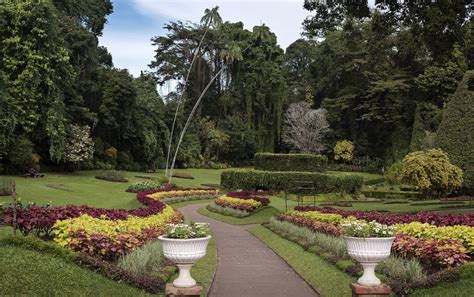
249	179
290	162
392	194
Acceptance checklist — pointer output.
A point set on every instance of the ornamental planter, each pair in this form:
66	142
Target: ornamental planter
369	252
184	252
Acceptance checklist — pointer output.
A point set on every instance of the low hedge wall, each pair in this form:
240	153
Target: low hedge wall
391	194
248	179
291	162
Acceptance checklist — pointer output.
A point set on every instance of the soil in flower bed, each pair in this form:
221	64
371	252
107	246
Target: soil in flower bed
183	175
216	186
144	177
6	193
58	187
119	180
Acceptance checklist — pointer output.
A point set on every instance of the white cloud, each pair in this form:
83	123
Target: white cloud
284	17
129	50
131	47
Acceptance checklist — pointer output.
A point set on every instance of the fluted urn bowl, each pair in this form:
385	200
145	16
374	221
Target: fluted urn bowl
184	252
369	251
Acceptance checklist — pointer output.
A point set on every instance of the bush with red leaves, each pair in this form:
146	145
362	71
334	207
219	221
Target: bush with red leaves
433	253
316	226
429	217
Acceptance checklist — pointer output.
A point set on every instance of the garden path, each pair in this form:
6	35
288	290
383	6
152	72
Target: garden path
246	266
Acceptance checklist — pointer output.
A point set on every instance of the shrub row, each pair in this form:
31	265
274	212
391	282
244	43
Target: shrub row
248	179
40	220
433	252
290	162
402	274
143	186
109	239
248	205
430	217
392	194
174	194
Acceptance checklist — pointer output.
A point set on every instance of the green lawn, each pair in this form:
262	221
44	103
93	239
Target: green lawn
365	175
83	188
27	272
328	280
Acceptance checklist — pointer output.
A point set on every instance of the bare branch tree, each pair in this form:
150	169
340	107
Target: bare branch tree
305	128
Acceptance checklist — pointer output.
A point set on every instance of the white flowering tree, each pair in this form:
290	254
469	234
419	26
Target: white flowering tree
79	146
305	128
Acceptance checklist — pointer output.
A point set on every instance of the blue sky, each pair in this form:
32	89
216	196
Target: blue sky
133	22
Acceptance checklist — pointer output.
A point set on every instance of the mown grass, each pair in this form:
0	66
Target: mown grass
258	218
461	288
328	280
83	188
31	273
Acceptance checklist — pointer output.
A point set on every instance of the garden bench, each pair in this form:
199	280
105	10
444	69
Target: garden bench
301	188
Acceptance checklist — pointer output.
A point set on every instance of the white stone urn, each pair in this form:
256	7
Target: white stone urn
369	251
184	252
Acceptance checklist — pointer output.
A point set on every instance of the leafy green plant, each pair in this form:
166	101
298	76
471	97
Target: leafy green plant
367	229
344	150
187	231
394	173
432	172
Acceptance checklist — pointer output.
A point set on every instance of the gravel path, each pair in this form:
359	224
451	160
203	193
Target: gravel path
246	267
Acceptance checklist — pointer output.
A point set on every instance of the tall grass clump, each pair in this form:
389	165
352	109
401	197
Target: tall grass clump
396	269
403	270
144	260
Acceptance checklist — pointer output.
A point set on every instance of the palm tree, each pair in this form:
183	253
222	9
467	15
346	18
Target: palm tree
261	33
233	52
212	19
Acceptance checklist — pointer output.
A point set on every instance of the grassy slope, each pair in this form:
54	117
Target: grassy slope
329	280
26	272
82	188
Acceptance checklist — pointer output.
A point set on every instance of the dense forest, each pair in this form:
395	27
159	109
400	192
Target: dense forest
385	76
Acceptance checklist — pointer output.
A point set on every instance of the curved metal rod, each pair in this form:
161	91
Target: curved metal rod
181	98
189	120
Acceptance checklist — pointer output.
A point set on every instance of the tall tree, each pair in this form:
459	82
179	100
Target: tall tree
456	132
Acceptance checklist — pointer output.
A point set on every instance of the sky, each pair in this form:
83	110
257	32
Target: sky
134	22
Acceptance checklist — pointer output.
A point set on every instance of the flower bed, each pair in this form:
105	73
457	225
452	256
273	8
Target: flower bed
143	186
429	217
403	274
248	205
99	232
437	246
110	239
169	195
240	204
